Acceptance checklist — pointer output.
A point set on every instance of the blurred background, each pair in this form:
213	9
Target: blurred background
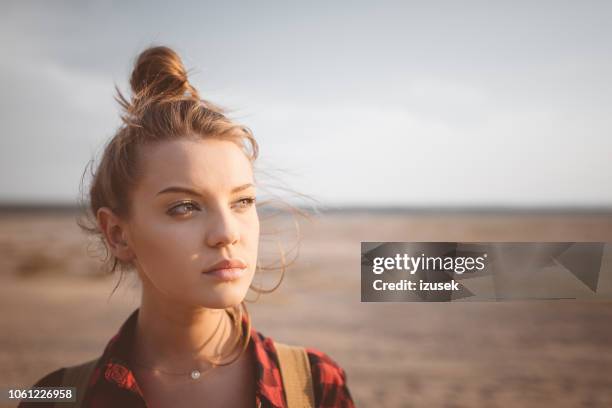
437	121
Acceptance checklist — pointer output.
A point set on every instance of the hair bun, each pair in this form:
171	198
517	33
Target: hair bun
159	71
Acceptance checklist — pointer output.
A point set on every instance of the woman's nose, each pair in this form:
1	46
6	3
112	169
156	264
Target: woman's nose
222	230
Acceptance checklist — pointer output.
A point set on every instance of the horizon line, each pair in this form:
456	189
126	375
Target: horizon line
25	207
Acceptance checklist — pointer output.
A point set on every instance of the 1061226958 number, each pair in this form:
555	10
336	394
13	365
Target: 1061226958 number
55	394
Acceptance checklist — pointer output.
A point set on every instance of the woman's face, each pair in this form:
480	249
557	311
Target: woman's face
176	234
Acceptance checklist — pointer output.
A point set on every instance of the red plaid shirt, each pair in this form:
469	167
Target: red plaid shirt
113	384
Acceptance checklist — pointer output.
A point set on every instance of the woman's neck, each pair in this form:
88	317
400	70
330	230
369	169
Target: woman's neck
176	337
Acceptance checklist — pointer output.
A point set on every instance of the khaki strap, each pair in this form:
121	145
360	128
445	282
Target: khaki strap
296	375
78	376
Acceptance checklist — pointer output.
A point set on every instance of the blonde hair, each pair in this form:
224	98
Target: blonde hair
164	106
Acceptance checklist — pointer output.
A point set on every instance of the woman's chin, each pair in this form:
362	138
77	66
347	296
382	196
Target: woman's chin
222	299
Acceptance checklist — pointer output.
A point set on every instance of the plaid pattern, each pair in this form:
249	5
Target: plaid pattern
113	384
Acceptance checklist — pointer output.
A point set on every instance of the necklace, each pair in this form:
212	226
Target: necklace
194	374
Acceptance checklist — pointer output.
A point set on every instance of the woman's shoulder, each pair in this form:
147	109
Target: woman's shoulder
324	367
321	363
329	379
52	379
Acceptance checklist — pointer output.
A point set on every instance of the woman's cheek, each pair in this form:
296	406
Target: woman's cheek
165	252
253	241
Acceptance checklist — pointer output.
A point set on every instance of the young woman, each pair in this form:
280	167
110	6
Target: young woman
174	199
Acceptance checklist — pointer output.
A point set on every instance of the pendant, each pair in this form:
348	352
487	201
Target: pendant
195	374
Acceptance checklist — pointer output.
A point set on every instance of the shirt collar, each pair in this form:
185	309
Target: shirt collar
114	367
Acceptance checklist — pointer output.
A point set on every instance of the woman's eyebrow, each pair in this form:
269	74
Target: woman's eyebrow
179	189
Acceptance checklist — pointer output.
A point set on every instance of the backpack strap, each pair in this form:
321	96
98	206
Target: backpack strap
296	375
78	376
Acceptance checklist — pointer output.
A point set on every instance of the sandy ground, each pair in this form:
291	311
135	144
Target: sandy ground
55	312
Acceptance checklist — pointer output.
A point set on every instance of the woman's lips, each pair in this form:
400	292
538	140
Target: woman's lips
227	269
227	274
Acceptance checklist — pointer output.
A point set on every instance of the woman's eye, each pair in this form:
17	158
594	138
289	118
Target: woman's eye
246	202
183	209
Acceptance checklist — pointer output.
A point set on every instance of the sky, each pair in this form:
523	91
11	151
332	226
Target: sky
412	104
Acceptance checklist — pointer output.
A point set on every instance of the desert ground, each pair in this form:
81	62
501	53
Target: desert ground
56	311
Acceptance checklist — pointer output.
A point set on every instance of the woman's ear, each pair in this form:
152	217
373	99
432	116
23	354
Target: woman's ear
115	234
